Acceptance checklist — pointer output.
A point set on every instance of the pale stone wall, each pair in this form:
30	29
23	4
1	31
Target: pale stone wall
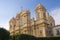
23	24
56	30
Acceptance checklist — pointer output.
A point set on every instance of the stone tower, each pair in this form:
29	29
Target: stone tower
40	12
41	20
12	25
25	21
17	24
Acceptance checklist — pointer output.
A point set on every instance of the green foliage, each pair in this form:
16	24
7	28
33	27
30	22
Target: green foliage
48	38
27	37
23	37
30	37
4	34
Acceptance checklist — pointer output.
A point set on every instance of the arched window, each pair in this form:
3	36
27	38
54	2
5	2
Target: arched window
41	32
14	25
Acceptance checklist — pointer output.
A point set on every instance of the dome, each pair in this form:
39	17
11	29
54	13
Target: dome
40	6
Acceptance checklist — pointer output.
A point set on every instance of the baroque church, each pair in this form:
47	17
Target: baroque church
24	24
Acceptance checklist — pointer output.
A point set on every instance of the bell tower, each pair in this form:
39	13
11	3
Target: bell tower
25	21
12	26
40	12
41	20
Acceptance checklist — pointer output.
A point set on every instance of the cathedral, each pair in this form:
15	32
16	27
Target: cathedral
24	24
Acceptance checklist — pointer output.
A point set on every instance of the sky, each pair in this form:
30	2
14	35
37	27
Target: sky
9	9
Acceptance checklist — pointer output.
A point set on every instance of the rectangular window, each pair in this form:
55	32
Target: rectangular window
58	32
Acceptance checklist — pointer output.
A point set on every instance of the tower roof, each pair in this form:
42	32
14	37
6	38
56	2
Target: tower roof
40	6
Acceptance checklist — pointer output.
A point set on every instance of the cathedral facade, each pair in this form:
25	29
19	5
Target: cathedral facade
41	27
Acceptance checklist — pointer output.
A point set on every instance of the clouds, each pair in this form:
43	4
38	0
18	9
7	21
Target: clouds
55	12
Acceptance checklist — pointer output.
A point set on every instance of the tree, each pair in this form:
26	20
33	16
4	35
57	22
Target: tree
23	37
4	34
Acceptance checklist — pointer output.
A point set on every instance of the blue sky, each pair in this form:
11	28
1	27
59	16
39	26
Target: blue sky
9	9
